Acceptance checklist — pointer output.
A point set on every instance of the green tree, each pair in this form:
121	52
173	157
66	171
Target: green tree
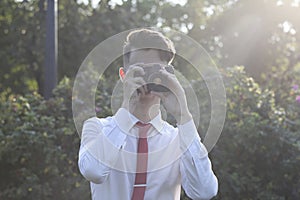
22	45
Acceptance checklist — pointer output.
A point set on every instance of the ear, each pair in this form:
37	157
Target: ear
121	73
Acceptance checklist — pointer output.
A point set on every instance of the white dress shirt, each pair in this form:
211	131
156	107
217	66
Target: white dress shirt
107	158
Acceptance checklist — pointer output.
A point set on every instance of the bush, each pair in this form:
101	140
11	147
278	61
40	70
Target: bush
39	148
256	157
253	158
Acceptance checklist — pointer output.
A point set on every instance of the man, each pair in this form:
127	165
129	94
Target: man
165	158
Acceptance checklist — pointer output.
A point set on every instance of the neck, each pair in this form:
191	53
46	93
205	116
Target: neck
144	111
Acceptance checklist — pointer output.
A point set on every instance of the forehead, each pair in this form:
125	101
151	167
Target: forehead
144	56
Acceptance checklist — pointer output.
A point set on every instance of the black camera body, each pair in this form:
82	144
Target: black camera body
153	78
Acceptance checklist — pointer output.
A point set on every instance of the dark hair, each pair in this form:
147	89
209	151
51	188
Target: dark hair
147	39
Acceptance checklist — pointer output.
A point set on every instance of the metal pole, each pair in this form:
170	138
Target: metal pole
50	72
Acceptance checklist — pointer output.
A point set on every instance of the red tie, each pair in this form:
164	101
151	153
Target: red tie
139	187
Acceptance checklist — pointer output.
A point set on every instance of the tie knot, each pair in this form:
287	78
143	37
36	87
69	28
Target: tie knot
142	124
143	129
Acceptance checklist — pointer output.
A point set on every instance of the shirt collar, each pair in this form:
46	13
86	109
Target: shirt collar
125	120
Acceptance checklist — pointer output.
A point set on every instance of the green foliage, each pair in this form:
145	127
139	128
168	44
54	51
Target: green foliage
39	148
256	156
22	45
256	34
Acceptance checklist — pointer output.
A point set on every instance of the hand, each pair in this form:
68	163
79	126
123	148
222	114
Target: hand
132	83
174	101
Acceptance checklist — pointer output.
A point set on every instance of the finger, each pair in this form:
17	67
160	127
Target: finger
171	80
159	94
136	86
133	88
139	80
133	69
167	74
142	90
134	83
146	88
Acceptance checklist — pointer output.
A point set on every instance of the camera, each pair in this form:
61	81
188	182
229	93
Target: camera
153	78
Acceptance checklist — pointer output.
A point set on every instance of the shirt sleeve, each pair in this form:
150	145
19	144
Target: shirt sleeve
198	178
98	152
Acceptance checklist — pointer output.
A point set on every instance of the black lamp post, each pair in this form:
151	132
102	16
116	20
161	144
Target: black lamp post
50	70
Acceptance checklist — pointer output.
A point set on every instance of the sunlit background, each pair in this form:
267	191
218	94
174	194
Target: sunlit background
254	43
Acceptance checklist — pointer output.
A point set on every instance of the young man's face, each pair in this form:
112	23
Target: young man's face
145	57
